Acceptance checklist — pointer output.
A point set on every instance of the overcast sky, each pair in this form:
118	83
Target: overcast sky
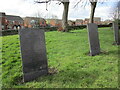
25	8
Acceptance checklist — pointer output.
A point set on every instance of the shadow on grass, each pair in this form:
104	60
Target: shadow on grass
115	52
71	77
74	32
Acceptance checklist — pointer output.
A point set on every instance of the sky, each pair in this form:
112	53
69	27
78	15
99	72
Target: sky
25	8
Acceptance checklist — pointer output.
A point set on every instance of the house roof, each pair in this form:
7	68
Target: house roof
13	18
35	18
79	19
2	14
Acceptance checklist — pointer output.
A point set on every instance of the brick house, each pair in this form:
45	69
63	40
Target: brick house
78	22
71	23
2	20
107	22
32	22
11	21
86	21
97	20
54	22
14	22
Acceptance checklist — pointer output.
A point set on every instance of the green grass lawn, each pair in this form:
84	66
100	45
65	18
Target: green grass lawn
67	53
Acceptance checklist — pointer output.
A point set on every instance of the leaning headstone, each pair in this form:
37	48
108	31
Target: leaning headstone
33	51
116	33
93	39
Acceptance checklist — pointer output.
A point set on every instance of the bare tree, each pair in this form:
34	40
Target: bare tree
118	11
65	12
65	16
115	11
93	6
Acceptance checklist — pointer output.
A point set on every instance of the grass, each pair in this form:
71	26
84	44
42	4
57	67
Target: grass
68	53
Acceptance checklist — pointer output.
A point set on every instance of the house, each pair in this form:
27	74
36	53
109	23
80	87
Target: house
54	22
32	22
71	23
11	21
2	20
107	22
86	21
97	20
78	22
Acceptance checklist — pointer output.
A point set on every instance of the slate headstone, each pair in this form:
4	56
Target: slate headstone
116	33
33	51
93	39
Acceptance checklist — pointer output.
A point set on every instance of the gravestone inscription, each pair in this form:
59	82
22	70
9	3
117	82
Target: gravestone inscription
33	51
93	39
116	33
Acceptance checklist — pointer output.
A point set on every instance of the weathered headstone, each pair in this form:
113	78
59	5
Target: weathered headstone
33	51
116	33
93	39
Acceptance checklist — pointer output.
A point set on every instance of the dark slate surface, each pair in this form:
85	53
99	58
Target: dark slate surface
33	51
93	39
116	33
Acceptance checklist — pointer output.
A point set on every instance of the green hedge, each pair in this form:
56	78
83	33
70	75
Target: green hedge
49	28
8	32
100	26
76	27
14	32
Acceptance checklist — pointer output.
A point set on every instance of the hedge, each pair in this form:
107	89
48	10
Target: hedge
14	32
8	32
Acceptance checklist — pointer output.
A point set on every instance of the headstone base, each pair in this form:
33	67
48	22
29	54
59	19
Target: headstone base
33	75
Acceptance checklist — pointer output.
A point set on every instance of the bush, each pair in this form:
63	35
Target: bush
8	32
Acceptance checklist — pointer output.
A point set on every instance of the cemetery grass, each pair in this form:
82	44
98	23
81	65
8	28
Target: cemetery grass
68	58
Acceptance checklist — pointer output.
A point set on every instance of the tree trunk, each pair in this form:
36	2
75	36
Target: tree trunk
93	6
65	16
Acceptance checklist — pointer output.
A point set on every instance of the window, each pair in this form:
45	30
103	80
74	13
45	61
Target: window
43	22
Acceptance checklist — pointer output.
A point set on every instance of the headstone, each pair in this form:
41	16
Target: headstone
116	33
93	39
33	51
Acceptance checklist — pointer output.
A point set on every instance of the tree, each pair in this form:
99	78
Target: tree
93	6
116	24
65	12
65	16
115	12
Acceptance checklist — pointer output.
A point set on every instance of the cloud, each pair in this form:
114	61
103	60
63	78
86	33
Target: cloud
29	8
19	7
